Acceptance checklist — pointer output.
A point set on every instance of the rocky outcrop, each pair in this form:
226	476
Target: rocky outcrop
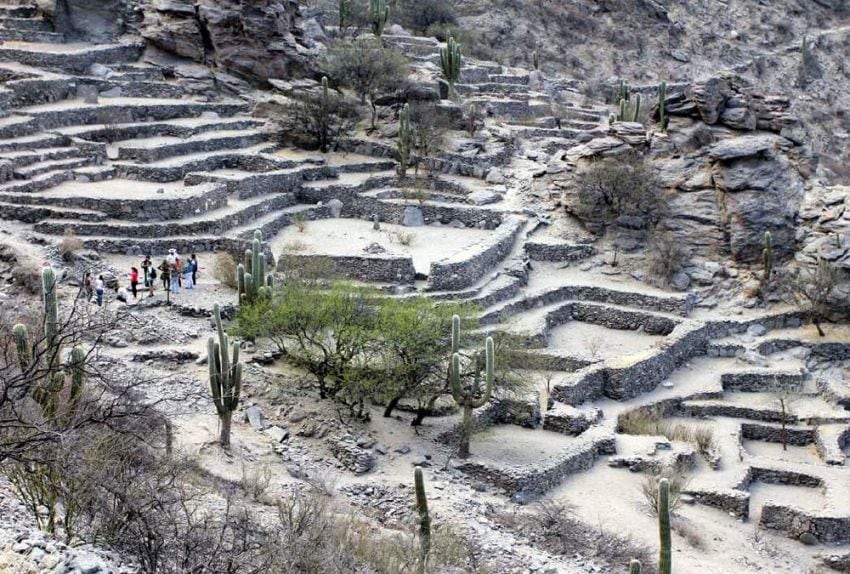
254	39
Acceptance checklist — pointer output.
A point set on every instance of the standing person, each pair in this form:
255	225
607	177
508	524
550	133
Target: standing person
134	280
174	273
151	281
189	275
88	286
98	289
164	272
194	260
147	267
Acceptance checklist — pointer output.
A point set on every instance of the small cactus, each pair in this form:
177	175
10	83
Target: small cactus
424	519
379	14
225	376
664	553
450	62
376	224
252	280
629	107
663	118
474	397
767	256
634	567
404	141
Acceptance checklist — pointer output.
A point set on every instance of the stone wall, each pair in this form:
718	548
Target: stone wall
545	251
377	268
770	433
760	382
465	269
795	522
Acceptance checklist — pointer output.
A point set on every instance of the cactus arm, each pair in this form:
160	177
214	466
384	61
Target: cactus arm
636	108
78	373
424	517
664	554
454	378
22	345
767	255
455	334
489	365
215	378
662	103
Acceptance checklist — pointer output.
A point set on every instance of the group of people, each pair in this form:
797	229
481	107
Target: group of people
174	272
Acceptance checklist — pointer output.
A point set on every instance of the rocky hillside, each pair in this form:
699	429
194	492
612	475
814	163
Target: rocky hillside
651	40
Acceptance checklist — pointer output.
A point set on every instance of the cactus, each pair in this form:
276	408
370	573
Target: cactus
450	62
634	567
663	118
535	59
376	224
767	256
252	280
404	141
629	108
225	376
344	11
379	14
664	553
473	398
424	519
22	344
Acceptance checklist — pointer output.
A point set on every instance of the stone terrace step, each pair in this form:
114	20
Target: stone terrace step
520	80
32	24
18	11
40	36
180	128
215	222
42	167
75	112
35	142
491	88
75	58
28	157
35	213
178	167
158	148
36	183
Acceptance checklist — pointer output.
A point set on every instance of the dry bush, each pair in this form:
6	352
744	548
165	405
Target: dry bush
299	220
27	274
649	489
665	257
403	237
563	533
814	289
688	531
69	245
224	269
428	15
255	483
617	186
700	137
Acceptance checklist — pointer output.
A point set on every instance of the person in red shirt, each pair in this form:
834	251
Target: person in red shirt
134	280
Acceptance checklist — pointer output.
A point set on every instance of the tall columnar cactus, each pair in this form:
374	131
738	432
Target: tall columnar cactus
379	14
77	366
535	59
634	567
664	552
22	344
253	282
51	315
663	118
344	11
225	376
470	398
767	256
451	59
424	519
628	107
404	141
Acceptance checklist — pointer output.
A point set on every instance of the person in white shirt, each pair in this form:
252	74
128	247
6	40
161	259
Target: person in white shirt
98	290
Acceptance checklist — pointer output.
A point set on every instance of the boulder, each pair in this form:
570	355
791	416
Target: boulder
254	417
495	176
335	207
709	96
412	217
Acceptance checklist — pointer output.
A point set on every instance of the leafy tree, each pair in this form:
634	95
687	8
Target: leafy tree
415	341
368	68
319	119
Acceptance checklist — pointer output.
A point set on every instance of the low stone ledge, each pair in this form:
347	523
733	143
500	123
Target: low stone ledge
795	436
761	381
566	419
463	270
795	522
735	502
371	269
558	252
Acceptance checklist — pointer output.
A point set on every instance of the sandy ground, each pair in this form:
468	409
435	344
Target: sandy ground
428	243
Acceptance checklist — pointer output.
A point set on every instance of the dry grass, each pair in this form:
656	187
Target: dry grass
650	422
69	245
403	237
299	220
649	489
255	483
224	269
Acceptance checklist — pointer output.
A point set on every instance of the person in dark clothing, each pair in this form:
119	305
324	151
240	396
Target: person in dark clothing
147	266
165	274
194	261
